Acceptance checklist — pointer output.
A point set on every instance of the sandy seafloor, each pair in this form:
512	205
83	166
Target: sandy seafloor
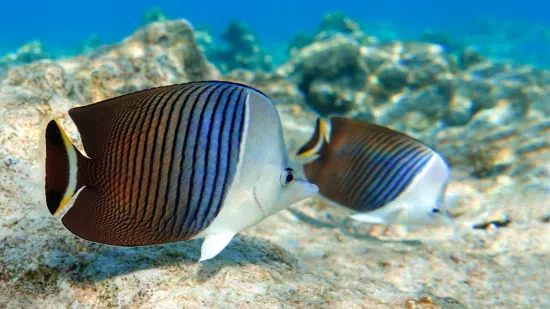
309	256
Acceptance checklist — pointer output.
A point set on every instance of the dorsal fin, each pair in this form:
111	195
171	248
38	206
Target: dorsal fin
97	121
344	129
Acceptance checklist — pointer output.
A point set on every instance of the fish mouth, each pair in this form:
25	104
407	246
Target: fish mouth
313	189
308	189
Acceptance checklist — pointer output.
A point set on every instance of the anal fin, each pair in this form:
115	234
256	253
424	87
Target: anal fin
79	219
214	244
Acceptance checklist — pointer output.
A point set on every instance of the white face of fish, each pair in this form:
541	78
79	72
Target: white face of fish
275	185
264	183
420	204
423	200
426	214
279	187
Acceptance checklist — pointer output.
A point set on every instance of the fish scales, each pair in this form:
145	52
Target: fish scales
384	161
123	145
385	175
395	170
370	162
221	162
146	205
160	158
196	160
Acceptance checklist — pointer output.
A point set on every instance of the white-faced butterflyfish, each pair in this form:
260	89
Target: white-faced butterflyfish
195	160
387	177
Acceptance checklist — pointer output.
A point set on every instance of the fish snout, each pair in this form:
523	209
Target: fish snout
311	189
300	189
308	188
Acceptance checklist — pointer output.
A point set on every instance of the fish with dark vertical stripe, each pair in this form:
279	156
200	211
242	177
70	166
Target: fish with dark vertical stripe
196	160
384	175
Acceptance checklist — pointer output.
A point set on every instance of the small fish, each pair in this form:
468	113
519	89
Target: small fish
194	160
387	176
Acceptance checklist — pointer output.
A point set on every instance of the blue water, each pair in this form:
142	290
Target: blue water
63	25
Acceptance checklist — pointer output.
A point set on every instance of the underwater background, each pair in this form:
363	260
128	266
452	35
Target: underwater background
469	78
513	30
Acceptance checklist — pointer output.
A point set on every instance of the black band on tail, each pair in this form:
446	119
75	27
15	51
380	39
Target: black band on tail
61	162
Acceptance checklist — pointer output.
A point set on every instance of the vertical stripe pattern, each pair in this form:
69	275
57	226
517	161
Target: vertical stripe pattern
169	156
369	166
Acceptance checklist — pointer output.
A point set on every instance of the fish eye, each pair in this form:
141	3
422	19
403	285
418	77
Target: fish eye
287	176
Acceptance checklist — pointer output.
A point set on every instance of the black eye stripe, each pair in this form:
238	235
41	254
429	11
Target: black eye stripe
435	210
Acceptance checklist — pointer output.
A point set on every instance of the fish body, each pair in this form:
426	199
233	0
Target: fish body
384	175
168	164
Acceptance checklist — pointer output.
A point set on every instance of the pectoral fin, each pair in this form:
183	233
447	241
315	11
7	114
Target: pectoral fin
214	244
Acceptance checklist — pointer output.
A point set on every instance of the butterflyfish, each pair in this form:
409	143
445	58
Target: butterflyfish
169	164
385	176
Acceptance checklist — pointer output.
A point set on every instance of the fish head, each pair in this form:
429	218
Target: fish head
436	215
426	212
278	187
424	199
293	188
421	214
275	183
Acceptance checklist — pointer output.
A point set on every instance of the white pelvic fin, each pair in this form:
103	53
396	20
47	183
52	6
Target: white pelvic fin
379	216
368	219
392	215
214	244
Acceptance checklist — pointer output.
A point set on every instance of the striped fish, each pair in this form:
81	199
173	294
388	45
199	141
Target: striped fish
202	159
386	176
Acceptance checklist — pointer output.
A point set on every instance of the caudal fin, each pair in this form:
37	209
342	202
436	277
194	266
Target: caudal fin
315	144
61	161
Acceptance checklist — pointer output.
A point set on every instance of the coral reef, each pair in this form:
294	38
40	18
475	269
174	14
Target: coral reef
490	120
333	24
243	51
90	44
152	15
159	54
498	39
27	53
444	39
422	90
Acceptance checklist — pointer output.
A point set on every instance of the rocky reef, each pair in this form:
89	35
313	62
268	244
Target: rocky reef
333	24
242	49
92	43
152	15
489	120
27	53
466	107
